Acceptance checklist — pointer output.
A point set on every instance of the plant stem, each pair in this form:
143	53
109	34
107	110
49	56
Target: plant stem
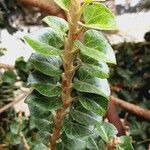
74	16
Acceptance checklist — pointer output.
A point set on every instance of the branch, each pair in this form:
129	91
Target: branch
16	100
131	107
113	117
6	66
47	6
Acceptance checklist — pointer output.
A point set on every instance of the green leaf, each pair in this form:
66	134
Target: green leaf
9	77
38	112
125	143
40	146
47	65
100	71
74	130
43	124
45	86
95	104
43	137
45	41
91	144
64	4
45	103
98	16
14	127
96	46
57	23
83	118
49	90
107	131
38	77
73	144
93	85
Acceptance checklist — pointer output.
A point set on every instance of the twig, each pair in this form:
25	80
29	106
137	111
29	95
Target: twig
23	139
6	66
16	100
131	107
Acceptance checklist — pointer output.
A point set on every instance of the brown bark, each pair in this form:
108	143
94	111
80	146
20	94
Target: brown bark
47	6
131	107
114	118
69	70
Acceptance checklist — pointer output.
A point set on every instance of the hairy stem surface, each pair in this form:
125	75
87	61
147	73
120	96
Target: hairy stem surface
69	70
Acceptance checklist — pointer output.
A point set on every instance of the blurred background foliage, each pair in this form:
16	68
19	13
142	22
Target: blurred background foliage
131	77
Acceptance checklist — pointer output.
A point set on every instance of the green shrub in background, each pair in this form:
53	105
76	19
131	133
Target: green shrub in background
132	76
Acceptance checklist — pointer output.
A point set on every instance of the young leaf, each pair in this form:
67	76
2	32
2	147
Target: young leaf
57	23
64	4
46	65
107	131
98	16
46	41
93	85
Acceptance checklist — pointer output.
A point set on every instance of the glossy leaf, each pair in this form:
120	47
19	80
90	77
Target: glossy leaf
74	130
93	85
38	112
83	118
46	86
40	146
100	71
57	23
46	65
43	137
45	41
73	144
64	4
96	46
97	105
91	144
43	124
98	16
49	90
107	131
45	103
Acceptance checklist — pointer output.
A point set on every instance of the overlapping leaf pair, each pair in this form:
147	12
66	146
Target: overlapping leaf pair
83	127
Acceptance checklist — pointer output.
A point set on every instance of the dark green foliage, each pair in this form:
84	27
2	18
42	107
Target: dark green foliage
132	76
